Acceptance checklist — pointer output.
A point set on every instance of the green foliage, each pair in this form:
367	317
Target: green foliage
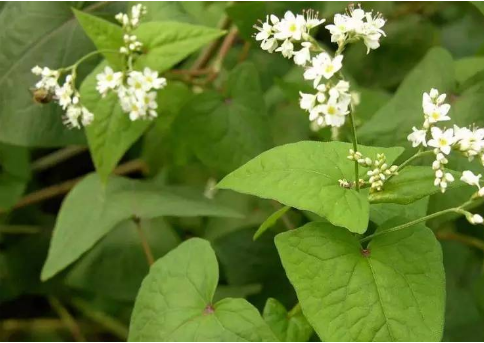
14	174
112	132
93	209
392	291
306	176
271	221
175	302
288	326
104	35
214	124
411	184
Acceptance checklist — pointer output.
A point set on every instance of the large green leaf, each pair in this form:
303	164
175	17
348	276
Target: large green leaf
14	174
112	132
92	209
44	34
380	213
306	176
393	291
167	43
226	131
104	35
393	122
288	326
175	302
116	265
411	184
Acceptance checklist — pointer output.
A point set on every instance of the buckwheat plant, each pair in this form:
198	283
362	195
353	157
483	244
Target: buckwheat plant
136	89
355	285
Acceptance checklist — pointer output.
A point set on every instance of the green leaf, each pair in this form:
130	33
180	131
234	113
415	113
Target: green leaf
112	132
393	291
92	209
44	34
245	15
288	326
393	122
167	43
104	35
116	265
465	68
411	184
271	221
380	213
306	176
175	302
14	174
227	131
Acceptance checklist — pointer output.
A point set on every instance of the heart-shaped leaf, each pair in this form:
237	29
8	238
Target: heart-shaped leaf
394	290
306	176
175	302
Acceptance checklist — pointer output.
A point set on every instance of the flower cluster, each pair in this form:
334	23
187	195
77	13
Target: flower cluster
65	95
331	103
379	171
291	29
129	23
356	25
469	142
137	96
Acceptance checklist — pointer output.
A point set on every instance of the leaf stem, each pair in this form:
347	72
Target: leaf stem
459	209
59	156
89	55
110	324
144	242
295	310
67	319
414	157
355	148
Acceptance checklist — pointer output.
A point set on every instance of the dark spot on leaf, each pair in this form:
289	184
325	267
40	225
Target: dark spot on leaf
209	309
365	252
228	101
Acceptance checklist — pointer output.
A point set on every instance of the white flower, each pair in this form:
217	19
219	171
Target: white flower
87	116
338	29
334	114
470	142
470	178
64	93
137	83
436	113
290	27
433	98
269	45
287	49
323	66
312	19
442	140
152	80
137	109
108	80
150	104
418	137
307	101
303	56
475	219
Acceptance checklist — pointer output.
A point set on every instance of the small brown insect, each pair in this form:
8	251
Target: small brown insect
41	96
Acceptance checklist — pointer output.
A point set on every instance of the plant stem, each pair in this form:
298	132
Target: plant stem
89	55
66	318
144	242
355	148
110	324
454	236
19	229
414	157
59	156
412	223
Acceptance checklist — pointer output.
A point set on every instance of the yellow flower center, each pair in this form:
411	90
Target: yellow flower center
435	115
443	142
109	77
331	110
293	28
